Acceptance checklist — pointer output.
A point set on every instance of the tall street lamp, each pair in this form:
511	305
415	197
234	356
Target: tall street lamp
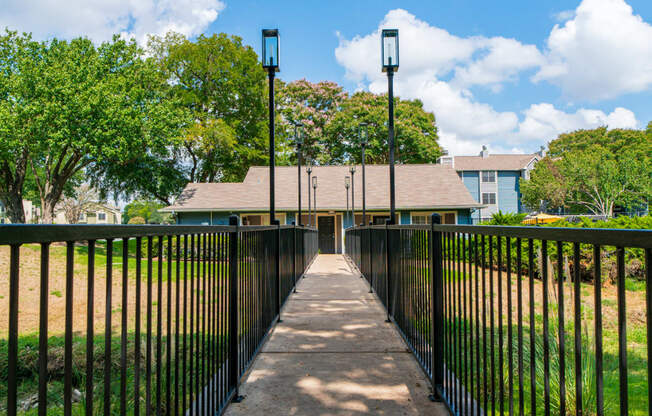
352	170
347	185
309	171
298	137
362	133
314	195
389	59
271	55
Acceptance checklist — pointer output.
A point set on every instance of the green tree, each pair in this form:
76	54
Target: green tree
312	104
220	82
146	209
81	108
20	61
415	131
593	170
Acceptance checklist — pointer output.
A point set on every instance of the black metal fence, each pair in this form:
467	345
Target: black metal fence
145	323
519	320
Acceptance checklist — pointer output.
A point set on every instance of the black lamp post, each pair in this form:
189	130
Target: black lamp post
314	195
309	171
271	56
298	137
347	185
389	51
362	133
352	170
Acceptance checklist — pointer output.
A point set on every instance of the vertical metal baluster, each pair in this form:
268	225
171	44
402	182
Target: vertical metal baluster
168	333
622	332
137	353
485	401
107	327
519	296
492	343
191	326
159	326
456	343
177	303
648	310
501	375
477	324
203	327
43	331
463	278
578	329
197	333
90	305
67	355
12	347
533	392
469	262
184	371
123	335
597	286
449	322
148	336
546	340
510	353
560	328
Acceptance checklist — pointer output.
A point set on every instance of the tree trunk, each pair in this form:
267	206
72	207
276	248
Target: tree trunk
14	205
49	201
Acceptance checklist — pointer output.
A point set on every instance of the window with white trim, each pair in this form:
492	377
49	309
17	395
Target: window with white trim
489	198
101	216
489	176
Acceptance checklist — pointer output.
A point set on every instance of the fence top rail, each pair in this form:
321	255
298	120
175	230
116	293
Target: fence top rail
597	236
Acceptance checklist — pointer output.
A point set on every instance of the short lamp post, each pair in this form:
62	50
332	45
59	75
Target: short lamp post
362	133
271	55
314	195
309	172
389	52
352	170
347	185
298	137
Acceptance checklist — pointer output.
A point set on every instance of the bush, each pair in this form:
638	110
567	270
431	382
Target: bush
136	220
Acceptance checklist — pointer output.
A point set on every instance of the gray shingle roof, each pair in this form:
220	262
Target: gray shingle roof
493	162
429	186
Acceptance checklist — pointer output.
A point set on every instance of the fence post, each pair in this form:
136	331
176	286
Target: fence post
371	251
277	267
388	268
233	309
436	307
294	255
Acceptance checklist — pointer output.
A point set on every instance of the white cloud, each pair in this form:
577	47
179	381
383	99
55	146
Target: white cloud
544	120
465	123
602	53
101	19
564	15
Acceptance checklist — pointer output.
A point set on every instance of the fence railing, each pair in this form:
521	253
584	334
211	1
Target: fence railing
520	320
139	319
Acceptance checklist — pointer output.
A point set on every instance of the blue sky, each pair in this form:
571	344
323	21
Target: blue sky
509	74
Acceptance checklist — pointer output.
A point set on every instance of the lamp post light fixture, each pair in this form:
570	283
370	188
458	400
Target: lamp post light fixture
347	185
271	61
298	137
309	171
314	195
352	170
364	139
389	60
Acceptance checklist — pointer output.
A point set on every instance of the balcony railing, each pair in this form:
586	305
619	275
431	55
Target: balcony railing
521	320
149	313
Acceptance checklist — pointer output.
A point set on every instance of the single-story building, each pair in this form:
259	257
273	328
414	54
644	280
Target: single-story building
420	191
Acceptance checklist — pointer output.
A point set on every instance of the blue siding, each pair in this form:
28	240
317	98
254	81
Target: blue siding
472	182
508	191
200	218
404	217
464	216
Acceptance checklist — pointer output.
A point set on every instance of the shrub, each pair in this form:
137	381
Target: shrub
137	220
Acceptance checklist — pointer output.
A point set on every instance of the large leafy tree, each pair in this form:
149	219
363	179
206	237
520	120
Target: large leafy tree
21	59
593	170
221	83
73	108
312	104
415	131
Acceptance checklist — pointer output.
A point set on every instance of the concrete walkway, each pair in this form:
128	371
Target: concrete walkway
333	354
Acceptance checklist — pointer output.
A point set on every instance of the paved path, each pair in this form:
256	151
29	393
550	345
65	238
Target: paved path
333	354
